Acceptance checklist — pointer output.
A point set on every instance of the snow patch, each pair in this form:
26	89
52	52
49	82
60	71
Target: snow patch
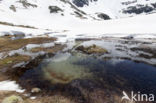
10	86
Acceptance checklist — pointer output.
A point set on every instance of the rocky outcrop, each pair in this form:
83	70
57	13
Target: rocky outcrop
55	9
81	3
26	4
138	9
13	8
92	49
103	16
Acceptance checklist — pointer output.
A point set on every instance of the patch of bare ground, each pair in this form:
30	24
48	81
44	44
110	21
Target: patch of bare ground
53	49
44	99
7	44
12	60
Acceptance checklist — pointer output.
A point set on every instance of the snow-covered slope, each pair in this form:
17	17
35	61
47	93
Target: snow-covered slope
82	16
36	12
83	9
116	8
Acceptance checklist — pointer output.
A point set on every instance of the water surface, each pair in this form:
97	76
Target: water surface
80	75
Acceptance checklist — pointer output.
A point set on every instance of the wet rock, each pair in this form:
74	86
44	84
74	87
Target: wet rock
13	99
92	49
36	90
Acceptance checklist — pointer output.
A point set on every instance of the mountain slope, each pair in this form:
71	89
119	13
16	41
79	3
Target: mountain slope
84	9
116	8
81	15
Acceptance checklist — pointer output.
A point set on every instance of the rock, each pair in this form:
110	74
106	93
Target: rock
13	99
81	3
55	9
139	9
26	4
92	49
103	16
13	8
35	90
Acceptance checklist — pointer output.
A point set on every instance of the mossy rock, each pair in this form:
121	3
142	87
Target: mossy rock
13	99
92	49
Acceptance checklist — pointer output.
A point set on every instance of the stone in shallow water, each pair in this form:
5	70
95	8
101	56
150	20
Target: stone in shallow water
13	99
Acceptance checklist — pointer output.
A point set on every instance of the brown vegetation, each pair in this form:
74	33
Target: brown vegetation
6	44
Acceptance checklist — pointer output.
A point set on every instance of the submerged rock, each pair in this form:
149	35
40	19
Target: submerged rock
92	49
13	99
63	68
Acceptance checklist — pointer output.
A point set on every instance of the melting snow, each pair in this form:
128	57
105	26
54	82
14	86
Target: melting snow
10	86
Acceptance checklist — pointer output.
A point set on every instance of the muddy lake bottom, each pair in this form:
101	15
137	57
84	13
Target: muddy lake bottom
86	78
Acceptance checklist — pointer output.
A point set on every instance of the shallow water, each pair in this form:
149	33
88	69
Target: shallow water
78	74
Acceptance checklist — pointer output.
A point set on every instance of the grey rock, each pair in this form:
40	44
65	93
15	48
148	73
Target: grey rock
103	16
55	9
